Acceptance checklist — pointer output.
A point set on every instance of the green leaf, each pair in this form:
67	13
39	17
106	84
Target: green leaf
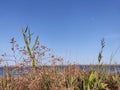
29	36
36	41
92	77
102	85
26	29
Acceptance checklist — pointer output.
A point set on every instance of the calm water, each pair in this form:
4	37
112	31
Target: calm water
111	68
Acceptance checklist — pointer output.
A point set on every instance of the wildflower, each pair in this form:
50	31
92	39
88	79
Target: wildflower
43	47
24	52
60	58
52	56
12	40
42	54
4	54
12	48
21	64
16	66
17	45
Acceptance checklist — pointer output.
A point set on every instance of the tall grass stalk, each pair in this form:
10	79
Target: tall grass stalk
27	39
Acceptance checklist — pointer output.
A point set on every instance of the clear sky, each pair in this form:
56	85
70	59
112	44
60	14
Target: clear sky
72	28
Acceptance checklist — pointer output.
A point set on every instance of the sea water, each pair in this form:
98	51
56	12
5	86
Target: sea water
108	68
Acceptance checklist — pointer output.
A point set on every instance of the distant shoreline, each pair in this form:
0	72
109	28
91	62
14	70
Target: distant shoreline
13	66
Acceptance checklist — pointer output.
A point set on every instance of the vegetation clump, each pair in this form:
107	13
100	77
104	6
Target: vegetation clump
33	74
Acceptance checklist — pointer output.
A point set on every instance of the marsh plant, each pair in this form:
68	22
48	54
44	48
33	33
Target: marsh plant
101	51
41	76
27	39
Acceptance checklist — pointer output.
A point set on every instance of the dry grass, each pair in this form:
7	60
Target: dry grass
69	78
42	77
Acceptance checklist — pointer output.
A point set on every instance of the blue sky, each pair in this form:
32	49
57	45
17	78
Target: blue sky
72	28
